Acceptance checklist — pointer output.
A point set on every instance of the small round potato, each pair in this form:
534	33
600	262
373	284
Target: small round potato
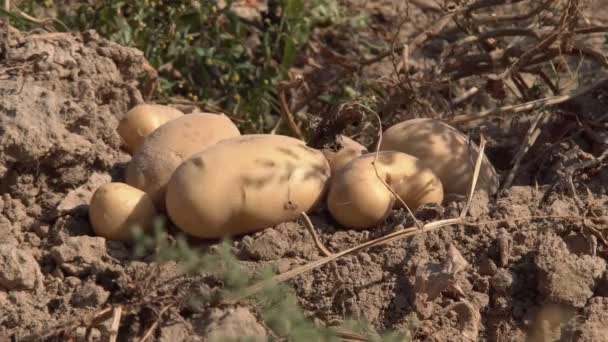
141	121
172	143
358	198
116	208
346	150
443	149
246	184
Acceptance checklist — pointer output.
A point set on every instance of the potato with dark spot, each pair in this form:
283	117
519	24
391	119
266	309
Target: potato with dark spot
443	149
245	184
141	120
116	208
172	143
346	149
359	196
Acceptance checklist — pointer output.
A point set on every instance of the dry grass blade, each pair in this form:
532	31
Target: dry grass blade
529	140
155	324
285	111
482	147
411	231
116	315
315	237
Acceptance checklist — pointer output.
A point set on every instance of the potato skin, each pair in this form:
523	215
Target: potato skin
166	148
347	150
359	199
246	184
443	149
143	119
116	207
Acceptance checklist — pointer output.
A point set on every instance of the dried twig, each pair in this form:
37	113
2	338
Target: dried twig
529	140
285	111
155	324
527	106
480	156
315	237
116	315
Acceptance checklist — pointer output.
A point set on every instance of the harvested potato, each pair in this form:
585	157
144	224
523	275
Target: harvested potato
346	150
443	149
116	208
246	184
359	199
171	144
142	120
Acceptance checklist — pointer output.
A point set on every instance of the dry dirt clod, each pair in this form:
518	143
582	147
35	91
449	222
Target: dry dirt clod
591	325
18	269
80	254
269	245
469	319
176	332
433	279
231	324
564	277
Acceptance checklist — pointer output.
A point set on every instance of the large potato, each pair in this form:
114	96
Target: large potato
358	198
116	208
171	144
141	120
443	149
245	184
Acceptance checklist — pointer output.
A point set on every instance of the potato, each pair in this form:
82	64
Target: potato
443	149
346	150
171	144
246	184
359	199
142	120
116	208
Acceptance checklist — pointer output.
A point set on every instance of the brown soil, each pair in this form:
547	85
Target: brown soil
494	280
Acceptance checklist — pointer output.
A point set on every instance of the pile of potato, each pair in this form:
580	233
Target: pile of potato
213	182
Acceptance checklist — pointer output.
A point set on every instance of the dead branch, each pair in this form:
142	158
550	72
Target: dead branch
527	106
315	237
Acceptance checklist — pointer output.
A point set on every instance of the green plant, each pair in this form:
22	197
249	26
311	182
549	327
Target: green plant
206	52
